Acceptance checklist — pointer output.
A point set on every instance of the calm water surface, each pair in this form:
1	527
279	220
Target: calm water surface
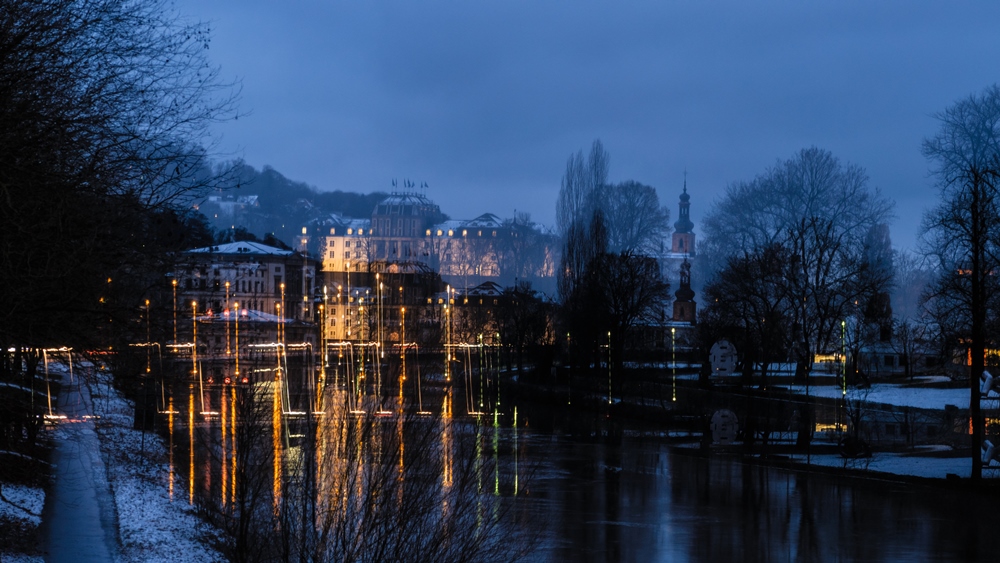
601	492
633	499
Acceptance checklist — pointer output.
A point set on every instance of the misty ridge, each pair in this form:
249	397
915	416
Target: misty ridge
266	202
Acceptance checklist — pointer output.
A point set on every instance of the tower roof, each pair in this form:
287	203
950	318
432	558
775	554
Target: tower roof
684	224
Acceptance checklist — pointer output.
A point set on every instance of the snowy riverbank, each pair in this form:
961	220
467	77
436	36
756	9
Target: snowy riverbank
154	523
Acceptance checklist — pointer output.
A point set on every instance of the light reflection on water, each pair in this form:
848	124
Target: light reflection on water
602	493
634	499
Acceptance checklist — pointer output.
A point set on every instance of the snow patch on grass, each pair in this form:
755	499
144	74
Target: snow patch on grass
897	464
152	526
19	525
29	498
20	558
890	394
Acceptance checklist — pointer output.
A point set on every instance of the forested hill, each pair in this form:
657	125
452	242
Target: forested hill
283	205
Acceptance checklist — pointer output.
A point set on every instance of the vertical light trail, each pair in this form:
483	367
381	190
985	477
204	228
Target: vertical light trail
170	450
232	440
515	452
191	444
496	453
446	439
223	430
276	431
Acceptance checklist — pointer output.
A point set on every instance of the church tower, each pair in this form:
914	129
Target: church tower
685	309
683	239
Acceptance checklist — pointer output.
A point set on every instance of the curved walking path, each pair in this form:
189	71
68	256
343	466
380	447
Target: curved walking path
78	521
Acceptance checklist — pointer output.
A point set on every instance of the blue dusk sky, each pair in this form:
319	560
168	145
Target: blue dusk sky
485	100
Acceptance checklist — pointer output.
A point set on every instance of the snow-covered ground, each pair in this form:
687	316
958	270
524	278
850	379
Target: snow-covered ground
32	499
898	464
153	527
890	394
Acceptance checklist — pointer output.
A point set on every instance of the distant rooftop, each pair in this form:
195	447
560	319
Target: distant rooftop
242	247
487	220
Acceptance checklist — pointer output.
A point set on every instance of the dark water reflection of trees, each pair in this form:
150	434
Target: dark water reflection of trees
601	492
635	500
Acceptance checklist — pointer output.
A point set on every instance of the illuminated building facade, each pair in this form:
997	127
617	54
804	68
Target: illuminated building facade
255	276
408	252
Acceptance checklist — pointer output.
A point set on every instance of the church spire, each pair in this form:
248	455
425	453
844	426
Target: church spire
684	224
683	239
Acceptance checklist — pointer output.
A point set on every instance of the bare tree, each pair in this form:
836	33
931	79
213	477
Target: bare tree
913	275
624	289
963	232
523	320
752	295
575	211
351	487
580	183
821	211
522	249
104	108
914	326
636	222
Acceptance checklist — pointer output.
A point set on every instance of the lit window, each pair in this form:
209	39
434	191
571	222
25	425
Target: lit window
428	232
350	231
451	233
464	232
439	232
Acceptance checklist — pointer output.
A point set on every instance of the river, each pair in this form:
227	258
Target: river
598	491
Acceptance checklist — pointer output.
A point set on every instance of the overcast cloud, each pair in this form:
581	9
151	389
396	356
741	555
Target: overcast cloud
485	100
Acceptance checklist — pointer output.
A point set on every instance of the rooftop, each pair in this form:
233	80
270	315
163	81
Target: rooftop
242	248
